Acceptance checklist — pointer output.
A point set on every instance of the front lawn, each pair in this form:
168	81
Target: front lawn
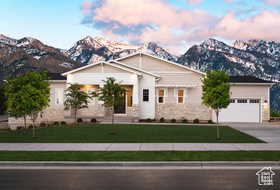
125	133
139	155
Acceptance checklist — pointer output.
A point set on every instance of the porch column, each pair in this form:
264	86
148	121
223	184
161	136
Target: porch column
135	91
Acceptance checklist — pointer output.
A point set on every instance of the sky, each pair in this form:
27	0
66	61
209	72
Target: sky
174	24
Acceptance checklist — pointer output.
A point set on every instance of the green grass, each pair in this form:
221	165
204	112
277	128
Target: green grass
140	156
124	133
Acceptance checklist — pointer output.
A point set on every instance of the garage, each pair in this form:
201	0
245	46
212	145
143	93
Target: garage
242	110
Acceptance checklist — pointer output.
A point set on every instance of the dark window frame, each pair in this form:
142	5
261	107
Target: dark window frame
146	94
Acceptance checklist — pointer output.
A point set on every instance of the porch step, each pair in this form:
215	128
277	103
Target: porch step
4	125
118	119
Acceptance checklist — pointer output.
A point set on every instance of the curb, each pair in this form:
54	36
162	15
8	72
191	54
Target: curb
199	164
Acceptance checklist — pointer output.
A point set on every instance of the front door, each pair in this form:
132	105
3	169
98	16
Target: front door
120	108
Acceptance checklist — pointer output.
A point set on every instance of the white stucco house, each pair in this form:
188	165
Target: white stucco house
156	88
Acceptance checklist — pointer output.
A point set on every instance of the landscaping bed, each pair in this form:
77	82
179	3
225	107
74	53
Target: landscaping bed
129	133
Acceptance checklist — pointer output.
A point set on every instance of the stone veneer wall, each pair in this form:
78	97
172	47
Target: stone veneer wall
49	115
191	109
265	112
183	111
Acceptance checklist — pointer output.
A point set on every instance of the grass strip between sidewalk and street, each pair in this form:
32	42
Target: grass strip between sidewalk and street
139	155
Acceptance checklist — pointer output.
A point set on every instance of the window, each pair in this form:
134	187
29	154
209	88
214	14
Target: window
58	96
232	100
254	101
145	95
180	96
129	98
161	94
242	101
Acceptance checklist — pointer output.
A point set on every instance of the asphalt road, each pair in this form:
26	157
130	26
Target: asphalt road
127	179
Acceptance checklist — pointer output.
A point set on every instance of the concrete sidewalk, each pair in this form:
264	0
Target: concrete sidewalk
137	146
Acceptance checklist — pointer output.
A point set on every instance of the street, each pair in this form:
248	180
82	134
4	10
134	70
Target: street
131	179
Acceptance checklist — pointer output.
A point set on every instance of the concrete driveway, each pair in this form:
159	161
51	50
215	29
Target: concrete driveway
269	132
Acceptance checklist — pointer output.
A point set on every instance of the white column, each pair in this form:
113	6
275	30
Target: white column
135	91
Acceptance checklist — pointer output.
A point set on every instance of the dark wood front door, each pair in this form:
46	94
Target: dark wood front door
120	108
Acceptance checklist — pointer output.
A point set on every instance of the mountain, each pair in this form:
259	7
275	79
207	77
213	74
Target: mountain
29	54
90	50
254	57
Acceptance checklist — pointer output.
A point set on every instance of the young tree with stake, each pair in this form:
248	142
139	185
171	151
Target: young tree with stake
76	99
216	93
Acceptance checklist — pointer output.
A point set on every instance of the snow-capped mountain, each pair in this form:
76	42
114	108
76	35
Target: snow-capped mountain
90	50
254	57
29	54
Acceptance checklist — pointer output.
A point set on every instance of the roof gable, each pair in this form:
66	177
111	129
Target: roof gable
159	59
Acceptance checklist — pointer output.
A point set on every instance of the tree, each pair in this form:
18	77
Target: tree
28	95
111	94
76	99
3	100
216	92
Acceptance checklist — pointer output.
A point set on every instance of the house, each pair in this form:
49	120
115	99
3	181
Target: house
156	88
265	176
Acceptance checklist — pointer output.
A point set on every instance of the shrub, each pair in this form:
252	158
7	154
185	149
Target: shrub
185	121
42	125
63	123
80	120
149	120
20	128
56	123
274	113
30	126
173	120
162	120
93	120
210	121
196	121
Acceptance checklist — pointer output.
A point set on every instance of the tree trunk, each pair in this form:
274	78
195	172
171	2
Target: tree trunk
75	115
113	111
24	118
217	126
33	135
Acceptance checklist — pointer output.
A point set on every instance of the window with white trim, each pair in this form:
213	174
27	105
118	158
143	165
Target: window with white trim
161	95
180	96
58	96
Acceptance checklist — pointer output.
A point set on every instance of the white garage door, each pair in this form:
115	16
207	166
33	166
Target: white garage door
241	110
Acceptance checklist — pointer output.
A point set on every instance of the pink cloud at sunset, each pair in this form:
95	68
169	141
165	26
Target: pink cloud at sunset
160	21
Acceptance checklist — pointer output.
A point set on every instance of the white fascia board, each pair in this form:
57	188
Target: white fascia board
178	86
249	84
57	81
82	68
137	69
124	68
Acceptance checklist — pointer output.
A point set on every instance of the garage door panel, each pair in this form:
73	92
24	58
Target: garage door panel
241	112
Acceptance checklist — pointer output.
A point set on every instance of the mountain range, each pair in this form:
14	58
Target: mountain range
253	57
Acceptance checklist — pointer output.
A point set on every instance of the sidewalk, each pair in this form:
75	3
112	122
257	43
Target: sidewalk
137	146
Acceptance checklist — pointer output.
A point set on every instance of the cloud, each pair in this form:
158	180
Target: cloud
160	21
194	2
272	2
